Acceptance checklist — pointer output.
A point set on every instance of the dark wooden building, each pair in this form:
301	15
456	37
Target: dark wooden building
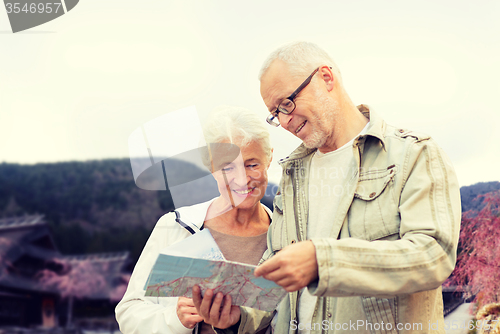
26	249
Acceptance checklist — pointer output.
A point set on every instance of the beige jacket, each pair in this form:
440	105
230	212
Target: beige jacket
393	240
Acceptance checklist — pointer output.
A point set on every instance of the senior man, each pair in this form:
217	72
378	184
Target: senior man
366	222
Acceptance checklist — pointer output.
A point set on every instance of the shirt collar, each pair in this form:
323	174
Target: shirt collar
375	129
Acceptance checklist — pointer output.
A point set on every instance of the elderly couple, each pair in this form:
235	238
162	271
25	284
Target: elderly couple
364	228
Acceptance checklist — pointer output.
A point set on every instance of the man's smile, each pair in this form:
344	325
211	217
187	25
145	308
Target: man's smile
300	127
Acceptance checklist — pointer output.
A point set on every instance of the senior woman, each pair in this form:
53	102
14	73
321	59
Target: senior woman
237	220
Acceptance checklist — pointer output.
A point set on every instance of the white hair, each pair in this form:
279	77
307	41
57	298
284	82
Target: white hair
302	58
237	125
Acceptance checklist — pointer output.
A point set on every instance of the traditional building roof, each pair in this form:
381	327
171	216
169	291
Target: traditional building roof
99	257
19	222
27	247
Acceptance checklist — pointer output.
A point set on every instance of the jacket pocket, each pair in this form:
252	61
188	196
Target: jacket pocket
374	214
380	311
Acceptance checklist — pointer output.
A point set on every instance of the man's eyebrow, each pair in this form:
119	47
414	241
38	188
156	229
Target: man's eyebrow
270	109
274	105
274	108
280	99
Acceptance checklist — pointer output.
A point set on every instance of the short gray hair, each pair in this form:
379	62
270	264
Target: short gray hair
237	125
301	58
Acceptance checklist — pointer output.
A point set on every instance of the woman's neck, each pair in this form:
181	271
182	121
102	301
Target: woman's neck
236	221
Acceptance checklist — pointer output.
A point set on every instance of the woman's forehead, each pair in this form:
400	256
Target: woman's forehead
252	150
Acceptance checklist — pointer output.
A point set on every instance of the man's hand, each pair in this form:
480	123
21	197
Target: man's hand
186	312
293	268
210	308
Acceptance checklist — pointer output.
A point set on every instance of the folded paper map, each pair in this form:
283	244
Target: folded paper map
200	245
175	276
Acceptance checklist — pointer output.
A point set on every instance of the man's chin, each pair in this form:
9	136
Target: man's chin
314	141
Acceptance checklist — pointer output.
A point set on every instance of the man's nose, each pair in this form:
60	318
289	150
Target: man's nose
284	120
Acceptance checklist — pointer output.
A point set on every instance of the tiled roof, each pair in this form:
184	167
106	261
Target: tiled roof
16	222
99	257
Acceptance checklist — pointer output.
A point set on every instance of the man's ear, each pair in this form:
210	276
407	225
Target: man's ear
327	75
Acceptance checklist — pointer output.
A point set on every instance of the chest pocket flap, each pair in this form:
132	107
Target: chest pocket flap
373	182
373	214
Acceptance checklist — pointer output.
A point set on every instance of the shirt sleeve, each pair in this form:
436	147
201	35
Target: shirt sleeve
138	314
423	255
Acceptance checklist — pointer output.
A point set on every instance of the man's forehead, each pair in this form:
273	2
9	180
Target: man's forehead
275	82
277	71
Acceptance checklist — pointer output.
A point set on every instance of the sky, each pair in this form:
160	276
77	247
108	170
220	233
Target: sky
77	87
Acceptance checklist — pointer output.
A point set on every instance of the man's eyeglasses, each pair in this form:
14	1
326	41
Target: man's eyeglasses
287	106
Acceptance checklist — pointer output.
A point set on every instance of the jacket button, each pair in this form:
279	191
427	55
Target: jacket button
401	130
372	195
329	315
288	171
293	241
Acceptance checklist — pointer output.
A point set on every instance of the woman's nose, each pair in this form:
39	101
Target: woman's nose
241	178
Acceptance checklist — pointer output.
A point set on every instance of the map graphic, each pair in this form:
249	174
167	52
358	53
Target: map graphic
174	276
200	245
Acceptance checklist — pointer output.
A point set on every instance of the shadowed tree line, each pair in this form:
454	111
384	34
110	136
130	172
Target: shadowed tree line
95	206
91	206
471	199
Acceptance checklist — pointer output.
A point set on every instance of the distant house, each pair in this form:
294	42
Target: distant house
26	248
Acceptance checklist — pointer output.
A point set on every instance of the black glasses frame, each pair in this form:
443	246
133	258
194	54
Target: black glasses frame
273	115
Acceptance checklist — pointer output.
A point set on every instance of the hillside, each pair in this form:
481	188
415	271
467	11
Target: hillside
95	206
469	194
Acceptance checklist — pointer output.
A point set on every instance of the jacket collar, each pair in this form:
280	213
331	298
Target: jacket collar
375	129
195	214
377	125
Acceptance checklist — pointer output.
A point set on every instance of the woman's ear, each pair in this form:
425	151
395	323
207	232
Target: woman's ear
270	158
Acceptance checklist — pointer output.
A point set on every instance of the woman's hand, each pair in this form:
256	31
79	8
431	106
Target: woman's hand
209	307
186	312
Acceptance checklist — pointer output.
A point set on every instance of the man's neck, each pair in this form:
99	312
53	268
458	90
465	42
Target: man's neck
345	128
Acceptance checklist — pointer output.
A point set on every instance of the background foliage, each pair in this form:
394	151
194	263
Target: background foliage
95	206
477	272
91	206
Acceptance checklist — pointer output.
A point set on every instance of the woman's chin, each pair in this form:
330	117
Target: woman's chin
246	203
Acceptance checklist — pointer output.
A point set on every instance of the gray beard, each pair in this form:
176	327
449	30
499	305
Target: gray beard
315	139
329	112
